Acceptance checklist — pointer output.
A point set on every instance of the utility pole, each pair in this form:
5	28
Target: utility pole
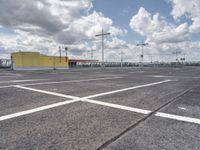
66	49
92	56
176	53
184	56
142	51
60	53
176	56
54	63
102	36
122	53
183	59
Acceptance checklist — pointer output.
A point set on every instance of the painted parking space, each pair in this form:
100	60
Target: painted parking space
97	110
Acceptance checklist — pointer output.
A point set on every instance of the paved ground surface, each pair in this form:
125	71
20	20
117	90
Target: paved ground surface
112	109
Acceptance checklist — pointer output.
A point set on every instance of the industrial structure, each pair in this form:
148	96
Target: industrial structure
5	63
81	62
36	61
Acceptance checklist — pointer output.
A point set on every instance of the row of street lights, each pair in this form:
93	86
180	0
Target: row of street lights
102	35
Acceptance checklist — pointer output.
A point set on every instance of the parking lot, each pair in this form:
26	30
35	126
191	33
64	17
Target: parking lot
112	109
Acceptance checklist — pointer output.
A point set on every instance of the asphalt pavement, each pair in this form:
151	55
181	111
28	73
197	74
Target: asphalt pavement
89	109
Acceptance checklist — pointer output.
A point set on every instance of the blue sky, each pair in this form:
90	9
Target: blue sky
167	25
122	11
6	31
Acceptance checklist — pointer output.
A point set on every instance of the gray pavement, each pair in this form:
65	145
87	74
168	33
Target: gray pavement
112	108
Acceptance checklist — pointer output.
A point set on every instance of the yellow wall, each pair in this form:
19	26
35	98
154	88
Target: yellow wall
34	60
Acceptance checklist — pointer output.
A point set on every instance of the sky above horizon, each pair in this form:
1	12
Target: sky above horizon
168	26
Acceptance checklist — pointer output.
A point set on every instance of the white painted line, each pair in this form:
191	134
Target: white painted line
136	110
136	72
47	92
84	99
162	76
85	80
63	72
57	82
146	112
182	108
177	117
143	111
22	113
8	86
13	74
126	89
18	81
9	75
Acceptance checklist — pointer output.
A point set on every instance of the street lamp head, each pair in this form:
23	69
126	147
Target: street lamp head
143	44
103	34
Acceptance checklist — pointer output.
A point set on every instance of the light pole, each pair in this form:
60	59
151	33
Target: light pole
92	56
60	53
122	53
142	53
183	59
102	35
176	53
66	49
54	63
151	59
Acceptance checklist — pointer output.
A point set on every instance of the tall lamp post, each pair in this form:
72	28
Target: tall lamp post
142	51
92	56
60	53
122	53
66	49
176	54
102	35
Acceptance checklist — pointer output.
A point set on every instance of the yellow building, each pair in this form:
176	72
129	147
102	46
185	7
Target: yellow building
36	61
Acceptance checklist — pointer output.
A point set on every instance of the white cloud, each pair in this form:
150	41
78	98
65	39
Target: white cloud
156	29
42	25
115	46
170	34
184	7
164	37
195	27
87	27
189	9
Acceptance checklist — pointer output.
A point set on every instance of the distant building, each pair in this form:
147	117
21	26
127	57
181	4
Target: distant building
5	63
80	62
36	61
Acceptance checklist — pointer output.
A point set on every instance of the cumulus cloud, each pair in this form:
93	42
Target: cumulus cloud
62	20
29	16
185	7
156	29
45	24
87	27
164	37
116	46
190	9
